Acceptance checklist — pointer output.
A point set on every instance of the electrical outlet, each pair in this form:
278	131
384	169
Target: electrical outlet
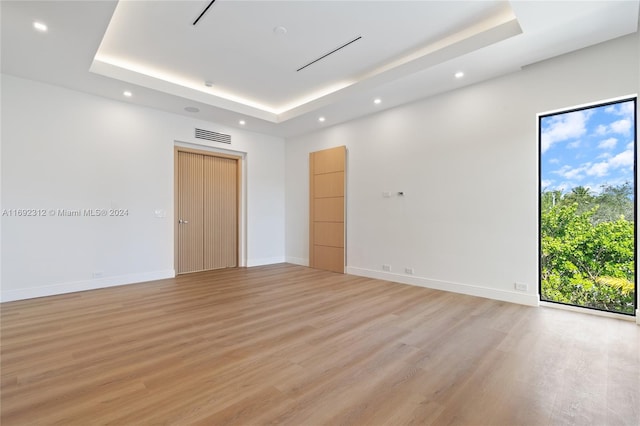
408	271
386	268
521	286
97	274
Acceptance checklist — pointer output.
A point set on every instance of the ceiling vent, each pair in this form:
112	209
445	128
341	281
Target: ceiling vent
213	136
330	53
203	12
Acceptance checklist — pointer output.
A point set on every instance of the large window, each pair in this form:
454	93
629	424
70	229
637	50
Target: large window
588	207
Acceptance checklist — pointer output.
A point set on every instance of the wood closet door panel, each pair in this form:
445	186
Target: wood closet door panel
190	212
221	213
327	209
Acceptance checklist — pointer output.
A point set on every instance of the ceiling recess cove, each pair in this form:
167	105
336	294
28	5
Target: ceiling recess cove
330	53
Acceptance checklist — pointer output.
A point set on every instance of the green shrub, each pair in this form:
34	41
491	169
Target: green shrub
584	261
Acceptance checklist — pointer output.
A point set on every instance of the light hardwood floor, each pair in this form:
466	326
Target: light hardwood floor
285	344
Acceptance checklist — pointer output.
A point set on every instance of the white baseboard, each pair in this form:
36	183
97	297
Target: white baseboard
297	261
471	290
265	261
71	287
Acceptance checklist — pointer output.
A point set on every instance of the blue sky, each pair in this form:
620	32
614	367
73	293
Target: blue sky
590	148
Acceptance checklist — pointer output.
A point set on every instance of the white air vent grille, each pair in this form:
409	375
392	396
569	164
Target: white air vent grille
212	136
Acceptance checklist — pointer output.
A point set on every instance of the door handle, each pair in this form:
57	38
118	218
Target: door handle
183	221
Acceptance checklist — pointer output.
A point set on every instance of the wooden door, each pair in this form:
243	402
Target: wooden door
327	209
206	211
190	213
221	220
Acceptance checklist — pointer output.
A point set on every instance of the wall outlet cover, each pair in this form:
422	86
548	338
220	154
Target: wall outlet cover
521	286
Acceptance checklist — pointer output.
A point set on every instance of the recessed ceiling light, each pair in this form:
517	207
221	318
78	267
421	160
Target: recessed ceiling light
459	74
40	27
208	83
127	93
321	119
377	101
191	109
279	30
242	122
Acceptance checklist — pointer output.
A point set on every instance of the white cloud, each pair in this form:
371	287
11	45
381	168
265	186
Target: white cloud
571	173
574	174
562	127
564	186
608	143
630	146
624	109
546	183
624	159
627	109
554	161
621	126
601	129
574	144
562	170
599	169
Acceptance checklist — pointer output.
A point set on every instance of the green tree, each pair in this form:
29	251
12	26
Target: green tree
550	199
581	196
586	263
614	202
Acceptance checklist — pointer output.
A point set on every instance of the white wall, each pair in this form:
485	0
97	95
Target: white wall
63	149
467	161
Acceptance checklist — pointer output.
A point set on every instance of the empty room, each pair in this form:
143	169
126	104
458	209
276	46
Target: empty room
318	212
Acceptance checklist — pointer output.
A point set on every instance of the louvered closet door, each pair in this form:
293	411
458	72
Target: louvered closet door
221	212
190	212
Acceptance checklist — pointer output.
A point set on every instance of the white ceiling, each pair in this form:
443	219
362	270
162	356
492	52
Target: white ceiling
408	50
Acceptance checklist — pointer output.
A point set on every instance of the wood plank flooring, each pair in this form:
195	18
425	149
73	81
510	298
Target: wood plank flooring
289	345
